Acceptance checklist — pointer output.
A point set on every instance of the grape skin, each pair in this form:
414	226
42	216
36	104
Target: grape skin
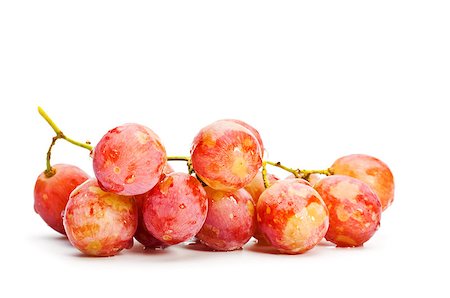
255	188
226	155
142	234
52	193
230	222
175	209
292	216
370	170
129	160
252	129
355	210
100	223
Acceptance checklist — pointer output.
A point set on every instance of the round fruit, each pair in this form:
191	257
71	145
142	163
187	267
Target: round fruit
292	216
129	160
175	209
231	220
355	210
52	193
99	223
226	155
370	170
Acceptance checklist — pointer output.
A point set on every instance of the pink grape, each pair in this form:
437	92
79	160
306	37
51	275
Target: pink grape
231	220
292	216
100	223
175	209
52	193
226	155
355	210
142	234
252	129
129	160
370	170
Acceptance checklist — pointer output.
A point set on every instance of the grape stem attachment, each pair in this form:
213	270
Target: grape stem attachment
49	172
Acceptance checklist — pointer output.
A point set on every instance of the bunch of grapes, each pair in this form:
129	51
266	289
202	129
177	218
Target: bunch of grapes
226	198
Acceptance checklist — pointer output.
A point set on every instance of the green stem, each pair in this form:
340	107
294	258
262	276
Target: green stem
264	175
49	171
298	173
178	157
183	158
60	134
49	121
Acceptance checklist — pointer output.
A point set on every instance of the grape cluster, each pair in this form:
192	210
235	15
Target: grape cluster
226	198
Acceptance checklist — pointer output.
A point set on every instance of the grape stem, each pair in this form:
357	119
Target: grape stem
264	175
49	172
298	173
183	158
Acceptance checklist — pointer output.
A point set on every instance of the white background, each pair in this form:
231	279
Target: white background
319	80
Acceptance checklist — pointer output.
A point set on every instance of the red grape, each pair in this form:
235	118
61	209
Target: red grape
129	160
99	223
52	193
142	234
292	216
231	220
226	155
370	170
175	209
252	129
355	210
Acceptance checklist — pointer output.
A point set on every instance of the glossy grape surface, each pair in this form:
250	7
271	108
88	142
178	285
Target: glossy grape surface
175	209
52	193
355	210
231	220
370	170
226	155
129	160
292	216
100	223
